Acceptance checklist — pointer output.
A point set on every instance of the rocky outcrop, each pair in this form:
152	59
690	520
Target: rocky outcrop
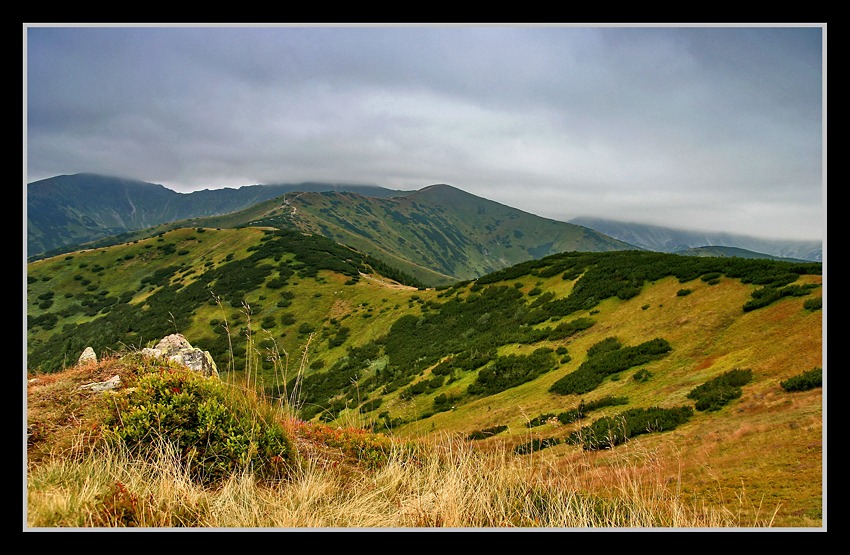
175	347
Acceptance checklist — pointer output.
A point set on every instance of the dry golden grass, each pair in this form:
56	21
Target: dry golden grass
442	481
447	485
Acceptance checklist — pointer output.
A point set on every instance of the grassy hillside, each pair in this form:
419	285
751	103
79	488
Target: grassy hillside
481	359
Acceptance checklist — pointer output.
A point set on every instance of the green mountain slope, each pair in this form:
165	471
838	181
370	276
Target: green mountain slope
74	209
439	234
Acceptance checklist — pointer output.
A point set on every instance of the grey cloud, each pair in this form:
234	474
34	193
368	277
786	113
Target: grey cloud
720	128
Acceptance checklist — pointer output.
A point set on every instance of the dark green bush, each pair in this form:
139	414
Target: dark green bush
443	402
608	432
567	329
684	292
604	346
606	358
642	375
813	304
809	379
536	445
486	432
719	391
215	433
340	337
539	420
512	370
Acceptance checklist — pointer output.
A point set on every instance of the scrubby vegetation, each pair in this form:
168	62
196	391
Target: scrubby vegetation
810	379
607	358
719	391
578	413
213	433
608	432
486	432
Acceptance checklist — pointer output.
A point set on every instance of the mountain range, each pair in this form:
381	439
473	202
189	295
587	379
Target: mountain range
439	234
68	210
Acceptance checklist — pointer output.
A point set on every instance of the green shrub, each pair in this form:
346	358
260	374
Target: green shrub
567	329
683	292
717	392
486	432
642	375
539	420
607	358
813	304
536	445
512	370
608	432
810	379
604	346
216	433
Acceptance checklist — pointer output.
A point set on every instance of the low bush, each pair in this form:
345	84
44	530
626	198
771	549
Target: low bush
608	432
717	392
810	379
486	432
214	433
813	304
536	445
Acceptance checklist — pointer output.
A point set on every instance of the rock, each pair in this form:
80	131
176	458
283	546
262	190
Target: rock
112	383
87	356
175	347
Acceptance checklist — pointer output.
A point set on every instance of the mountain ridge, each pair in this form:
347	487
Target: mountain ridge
440	227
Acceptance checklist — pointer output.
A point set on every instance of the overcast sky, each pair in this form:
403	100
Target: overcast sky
715	128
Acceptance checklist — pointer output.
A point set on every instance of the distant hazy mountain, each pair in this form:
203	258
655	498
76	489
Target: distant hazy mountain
665	239
74	209
725	252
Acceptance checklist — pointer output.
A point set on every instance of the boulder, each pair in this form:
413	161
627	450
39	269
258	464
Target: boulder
175	347
87	356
